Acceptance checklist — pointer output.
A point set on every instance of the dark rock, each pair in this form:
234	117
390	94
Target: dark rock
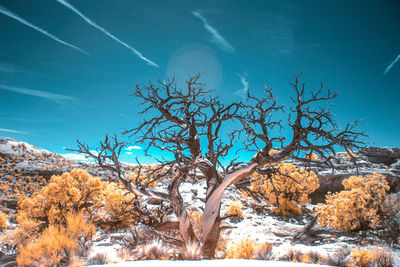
386	156
155	201
9	203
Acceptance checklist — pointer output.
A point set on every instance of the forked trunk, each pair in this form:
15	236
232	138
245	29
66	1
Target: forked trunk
211	217
185	226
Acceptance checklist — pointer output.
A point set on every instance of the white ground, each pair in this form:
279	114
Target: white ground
210	263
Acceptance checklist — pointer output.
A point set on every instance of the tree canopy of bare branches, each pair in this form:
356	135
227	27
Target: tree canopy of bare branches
191	125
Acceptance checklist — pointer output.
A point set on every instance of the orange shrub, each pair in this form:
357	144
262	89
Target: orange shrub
69	192
360	206
371	257
242	249
56	243
246	248
287	189
119	208
145	177
104	202
235	209
3	221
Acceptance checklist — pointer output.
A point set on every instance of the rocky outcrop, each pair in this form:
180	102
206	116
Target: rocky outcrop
368	160
380	155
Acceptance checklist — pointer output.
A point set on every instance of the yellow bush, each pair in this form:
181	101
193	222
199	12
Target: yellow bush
119	208
371	257
360	206
235	209
3	221
243	249
56	243
287	189
146	176
69	192
104	202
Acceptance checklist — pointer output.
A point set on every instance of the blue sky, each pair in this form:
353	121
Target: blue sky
68	66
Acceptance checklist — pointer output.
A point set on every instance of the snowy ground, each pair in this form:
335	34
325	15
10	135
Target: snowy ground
210	263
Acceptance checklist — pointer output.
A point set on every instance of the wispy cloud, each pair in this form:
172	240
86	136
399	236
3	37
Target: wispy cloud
79	157
216	37
245	89
33	120
8	68
10	14
388	68
13	69
130	148
42	94
12	131
72	156
95	25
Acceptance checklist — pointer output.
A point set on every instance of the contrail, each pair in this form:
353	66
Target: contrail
12	131
42	94
95	25
27	23
388	68
217	38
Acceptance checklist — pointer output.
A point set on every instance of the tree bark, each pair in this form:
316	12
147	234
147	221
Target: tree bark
211	219
185	226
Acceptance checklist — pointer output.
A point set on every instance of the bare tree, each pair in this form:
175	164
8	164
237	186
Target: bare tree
191	126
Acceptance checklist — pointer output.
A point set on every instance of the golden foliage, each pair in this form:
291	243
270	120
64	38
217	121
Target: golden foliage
146	176
56	243
105	203
287	189
53	222
235	209
3	221
360	206
371	257
246	248
69	192
242	249
118	210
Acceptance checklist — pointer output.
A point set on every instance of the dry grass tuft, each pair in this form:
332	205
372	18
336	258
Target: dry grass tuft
190	252
98	259
154	251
